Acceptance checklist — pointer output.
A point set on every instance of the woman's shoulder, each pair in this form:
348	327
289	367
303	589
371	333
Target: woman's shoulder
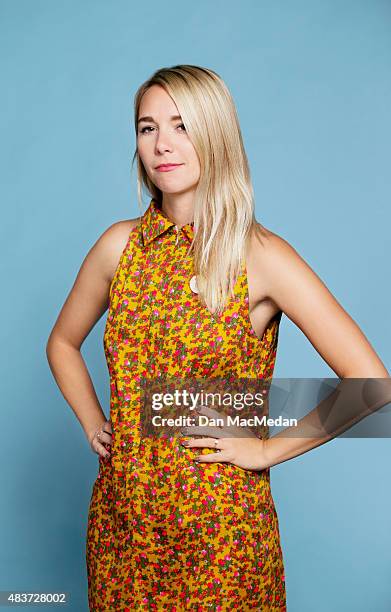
266	243
112	243
118	233
272	255
280	266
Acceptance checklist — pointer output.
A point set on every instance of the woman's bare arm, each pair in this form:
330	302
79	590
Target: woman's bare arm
303	297
84	306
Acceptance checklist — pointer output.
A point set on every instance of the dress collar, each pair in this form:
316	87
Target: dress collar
155	222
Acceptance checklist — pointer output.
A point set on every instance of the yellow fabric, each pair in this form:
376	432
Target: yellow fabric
165	532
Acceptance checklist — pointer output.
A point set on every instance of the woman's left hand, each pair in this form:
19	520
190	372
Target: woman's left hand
236	445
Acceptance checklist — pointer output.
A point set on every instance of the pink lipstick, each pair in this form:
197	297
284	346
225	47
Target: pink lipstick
167	167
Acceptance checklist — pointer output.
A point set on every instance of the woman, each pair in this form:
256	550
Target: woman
195	288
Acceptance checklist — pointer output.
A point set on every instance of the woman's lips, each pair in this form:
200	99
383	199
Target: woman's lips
167	167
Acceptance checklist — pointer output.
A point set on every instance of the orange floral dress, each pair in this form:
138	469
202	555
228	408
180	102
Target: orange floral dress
165	532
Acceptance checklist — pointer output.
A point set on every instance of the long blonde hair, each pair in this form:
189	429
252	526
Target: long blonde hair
224	198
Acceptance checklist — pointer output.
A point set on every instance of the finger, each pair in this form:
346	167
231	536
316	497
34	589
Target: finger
200	443
100	449
106	427
104	437
211	458
101	439
108	439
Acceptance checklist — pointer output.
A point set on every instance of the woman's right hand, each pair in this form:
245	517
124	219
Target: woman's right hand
100	437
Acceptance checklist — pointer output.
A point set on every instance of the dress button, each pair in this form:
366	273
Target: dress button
193	284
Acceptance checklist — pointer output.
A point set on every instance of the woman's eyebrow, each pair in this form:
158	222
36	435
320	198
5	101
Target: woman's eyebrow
147	118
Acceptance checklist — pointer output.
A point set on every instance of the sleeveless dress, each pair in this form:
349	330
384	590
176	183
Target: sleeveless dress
165	532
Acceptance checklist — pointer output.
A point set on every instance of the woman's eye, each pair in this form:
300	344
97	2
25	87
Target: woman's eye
144	129
147	128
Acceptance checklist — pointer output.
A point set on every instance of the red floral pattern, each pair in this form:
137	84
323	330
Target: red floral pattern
166	533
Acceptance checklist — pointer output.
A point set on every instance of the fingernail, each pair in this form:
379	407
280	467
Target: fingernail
185	442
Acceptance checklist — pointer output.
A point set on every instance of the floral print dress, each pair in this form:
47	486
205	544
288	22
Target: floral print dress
165	532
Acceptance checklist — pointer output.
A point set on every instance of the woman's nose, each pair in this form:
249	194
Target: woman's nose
163	142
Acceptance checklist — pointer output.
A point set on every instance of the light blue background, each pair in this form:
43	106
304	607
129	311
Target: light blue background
311	80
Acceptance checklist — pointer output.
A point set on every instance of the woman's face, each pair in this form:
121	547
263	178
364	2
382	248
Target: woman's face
162	139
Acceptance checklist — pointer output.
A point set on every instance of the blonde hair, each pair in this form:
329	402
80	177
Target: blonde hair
224	198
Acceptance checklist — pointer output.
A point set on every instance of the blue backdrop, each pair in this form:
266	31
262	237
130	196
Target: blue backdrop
312	83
